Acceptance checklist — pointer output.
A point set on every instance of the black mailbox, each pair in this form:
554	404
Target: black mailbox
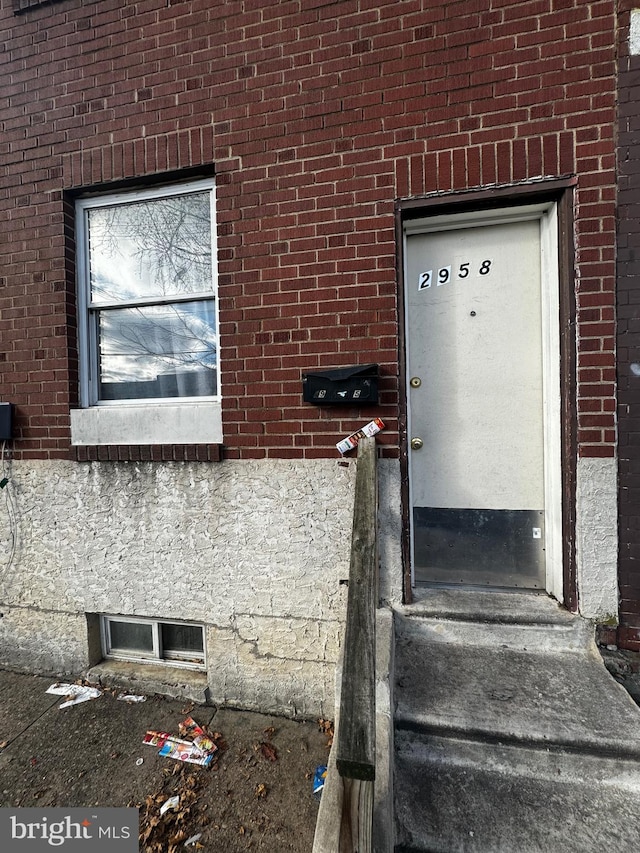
357	385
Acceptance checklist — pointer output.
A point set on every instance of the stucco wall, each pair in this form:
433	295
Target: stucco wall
255	550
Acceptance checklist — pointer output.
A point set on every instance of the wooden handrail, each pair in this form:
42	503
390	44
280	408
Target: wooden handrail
345	823
355	756
356	753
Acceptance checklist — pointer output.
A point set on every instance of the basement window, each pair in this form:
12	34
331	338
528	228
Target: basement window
150	640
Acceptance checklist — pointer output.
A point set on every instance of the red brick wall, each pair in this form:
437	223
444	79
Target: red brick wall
318	115
628	312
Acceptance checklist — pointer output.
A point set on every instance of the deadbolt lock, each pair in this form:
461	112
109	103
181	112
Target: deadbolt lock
416	443
415	382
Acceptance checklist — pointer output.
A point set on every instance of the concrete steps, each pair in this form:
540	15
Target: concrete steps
510	735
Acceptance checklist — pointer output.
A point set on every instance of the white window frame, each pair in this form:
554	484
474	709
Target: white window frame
158	655
170	420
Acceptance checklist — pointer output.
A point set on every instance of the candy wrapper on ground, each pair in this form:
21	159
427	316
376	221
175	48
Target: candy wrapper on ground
159	739
318	781
192	754
189	728
200	750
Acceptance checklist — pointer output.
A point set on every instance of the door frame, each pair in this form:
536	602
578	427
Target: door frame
558	346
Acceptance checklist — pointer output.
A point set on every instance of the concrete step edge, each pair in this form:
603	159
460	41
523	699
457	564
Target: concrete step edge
596	748
417	612
551	638
484	606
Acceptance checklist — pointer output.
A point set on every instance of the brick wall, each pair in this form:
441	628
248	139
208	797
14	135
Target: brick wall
629	339
318	115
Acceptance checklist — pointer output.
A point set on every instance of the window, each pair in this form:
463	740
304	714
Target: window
147	640
146	292
148	318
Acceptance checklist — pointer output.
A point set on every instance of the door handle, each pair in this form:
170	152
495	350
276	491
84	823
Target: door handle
416	443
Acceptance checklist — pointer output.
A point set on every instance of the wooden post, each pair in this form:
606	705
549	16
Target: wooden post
357	816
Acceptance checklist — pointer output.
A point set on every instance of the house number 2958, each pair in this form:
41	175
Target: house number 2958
444	275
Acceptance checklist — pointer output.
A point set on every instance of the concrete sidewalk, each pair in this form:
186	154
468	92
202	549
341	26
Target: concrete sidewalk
258	795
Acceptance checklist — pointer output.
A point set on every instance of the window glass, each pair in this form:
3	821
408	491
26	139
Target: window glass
131	636
146	281
167	350
182	638
160	247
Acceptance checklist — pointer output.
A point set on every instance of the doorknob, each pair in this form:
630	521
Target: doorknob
416	443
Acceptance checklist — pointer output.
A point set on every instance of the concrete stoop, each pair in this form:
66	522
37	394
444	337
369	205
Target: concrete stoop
510	734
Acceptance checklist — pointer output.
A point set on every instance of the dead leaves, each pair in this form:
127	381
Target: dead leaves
327	727
168	832
267	750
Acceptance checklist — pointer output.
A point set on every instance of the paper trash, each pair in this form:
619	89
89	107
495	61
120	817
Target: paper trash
190	728
171	749
172	803
128	697
178	748
352	440
76	692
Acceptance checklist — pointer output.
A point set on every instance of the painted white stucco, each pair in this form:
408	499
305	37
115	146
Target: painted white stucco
597	538
634	33
162	423
255	550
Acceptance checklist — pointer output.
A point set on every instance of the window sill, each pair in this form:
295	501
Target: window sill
147	424
148	679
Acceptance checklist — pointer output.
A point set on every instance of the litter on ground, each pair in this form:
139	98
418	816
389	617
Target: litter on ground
128	697
172	803
74	693
199	749
318	781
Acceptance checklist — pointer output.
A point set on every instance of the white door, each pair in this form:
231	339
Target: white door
476	372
